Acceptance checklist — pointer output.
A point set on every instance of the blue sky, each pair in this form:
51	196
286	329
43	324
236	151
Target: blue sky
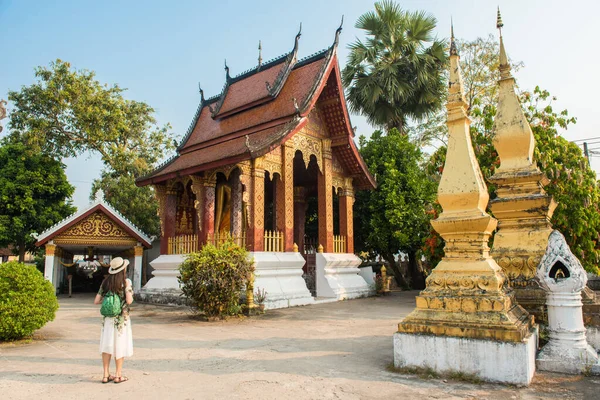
161	50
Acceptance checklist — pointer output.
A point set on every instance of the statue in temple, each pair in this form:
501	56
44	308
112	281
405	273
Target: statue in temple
223	209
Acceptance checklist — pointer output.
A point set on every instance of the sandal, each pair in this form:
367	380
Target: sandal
121	379
108	378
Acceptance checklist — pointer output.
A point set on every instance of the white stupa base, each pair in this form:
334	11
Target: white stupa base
567	358
280	275
338	276
490	360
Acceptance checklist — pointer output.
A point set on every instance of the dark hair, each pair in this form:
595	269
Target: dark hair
114	282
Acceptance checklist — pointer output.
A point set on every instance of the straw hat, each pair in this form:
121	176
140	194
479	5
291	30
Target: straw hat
117	265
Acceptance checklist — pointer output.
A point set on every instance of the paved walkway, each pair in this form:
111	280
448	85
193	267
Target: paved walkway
327	351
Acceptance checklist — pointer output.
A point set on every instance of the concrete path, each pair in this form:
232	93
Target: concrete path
327	351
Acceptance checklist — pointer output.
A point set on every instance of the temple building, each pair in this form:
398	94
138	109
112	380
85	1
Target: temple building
271	162
92	236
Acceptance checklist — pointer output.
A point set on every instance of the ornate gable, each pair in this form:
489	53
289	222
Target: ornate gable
95	230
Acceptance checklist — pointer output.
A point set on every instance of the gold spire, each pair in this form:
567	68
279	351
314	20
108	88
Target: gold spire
457	105
453	50
461	164
513	137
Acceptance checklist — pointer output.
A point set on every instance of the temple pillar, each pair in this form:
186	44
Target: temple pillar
299	216
236	206
466	319
346	199
288	195
208	219
137	267
257	223
278	204
198	189
169	215
160	192
325	184
49	264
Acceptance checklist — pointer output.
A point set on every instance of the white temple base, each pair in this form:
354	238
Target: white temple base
280	275
556	357
338	276
367	275
166	272
163	287
489	360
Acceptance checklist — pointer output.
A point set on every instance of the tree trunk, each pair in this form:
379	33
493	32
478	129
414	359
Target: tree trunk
21	252
397	272
417	278
398	125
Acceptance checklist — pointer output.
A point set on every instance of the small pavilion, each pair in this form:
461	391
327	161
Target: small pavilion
270	161
97	232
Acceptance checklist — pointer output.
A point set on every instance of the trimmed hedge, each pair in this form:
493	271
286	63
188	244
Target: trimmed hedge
213	279
27	300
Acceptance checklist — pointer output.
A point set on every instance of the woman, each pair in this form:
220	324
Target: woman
116	339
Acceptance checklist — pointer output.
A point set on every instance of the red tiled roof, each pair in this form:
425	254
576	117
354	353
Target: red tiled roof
249	90
298	85
198	160
250	122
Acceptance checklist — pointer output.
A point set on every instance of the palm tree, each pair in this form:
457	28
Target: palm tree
397	72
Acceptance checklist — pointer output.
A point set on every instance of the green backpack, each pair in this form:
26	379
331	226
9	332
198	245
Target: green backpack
111	305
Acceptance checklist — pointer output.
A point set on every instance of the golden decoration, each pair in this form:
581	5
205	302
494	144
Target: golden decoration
96	229
308	146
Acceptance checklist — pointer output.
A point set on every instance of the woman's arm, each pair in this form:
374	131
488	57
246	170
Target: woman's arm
128	291
98	299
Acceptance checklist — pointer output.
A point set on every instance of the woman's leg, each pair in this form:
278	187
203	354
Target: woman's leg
119	373
105	365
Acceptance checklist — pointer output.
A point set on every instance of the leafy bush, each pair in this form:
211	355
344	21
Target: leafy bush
213	278
27	300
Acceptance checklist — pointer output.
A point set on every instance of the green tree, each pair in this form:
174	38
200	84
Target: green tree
34	195
396	74
68	112
393	218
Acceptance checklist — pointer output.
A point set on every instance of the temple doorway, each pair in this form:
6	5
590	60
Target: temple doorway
306	224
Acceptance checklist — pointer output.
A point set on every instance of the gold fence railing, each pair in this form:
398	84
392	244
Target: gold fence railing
339	244
273	241
220	238
183	244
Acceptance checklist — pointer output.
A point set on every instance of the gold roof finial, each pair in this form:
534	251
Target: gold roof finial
504	64
259	54
201	92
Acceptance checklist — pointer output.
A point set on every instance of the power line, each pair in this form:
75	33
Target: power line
586	140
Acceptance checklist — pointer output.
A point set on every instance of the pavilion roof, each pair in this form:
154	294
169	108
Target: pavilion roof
99	204
260	109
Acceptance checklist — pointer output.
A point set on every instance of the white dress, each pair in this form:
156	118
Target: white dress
114	341
118	343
